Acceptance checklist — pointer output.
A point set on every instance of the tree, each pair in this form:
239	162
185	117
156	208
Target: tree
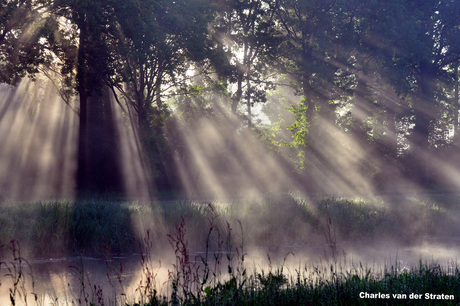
98	165
153	51
21	27
136	56
153	56
314	58
418	43
246	41
96	47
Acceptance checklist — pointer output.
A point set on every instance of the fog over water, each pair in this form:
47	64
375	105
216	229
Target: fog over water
74	279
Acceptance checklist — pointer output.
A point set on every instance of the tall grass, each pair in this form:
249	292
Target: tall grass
67	228
220	277
209	243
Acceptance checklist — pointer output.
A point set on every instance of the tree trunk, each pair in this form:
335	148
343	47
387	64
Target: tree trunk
239	93
248	102
456	109
98	171
158	85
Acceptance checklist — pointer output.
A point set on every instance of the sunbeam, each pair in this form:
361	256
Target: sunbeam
227	161
135	169
157	152
38	132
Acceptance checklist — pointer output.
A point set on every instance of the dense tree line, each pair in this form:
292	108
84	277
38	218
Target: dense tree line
384	72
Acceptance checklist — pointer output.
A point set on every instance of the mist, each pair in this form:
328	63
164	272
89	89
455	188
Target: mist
346	204
38	133
147	157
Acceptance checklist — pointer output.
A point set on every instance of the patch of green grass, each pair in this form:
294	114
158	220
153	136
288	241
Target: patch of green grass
54	229
357	218
42	226
96	225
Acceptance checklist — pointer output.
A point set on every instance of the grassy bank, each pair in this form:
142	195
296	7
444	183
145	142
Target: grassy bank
220	279
219	273
209	246
68	228
427	285
56	229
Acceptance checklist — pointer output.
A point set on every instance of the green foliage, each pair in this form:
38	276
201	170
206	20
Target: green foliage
152	49
98	225
330	52
53	229
199	103
245	44
157	148
414	32
48	224
354	217
331	285
300	130
312	36
21	29
84	227
301	124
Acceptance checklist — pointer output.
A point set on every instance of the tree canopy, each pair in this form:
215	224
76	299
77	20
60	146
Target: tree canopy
385	73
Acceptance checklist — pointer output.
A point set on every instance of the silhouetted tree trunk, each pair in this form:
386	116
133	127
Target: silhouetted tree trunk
98	154
239	93
248	103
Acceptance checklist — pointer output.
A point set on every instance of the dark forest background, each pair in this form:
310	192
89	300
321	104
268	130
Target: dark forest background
345	95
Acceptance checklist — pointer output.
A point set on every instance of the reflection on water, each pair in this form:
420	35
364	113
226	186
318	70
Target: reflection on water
67	280
118	280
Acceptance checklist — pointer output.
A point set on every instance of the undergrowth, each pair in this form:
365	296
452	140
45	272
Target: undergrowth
210	256
69	228
219	278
